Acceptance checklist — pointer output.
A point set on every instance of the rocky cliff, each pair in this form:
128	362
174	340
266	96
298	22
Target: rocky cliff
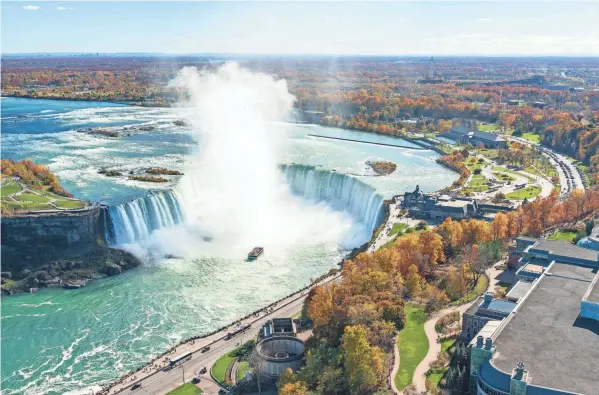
56	249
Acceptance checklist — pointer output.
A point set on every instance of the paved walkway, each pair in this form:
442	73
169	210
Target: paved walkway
419	378
385	233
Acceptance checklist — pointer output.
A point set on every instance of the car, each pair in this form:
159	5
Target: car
135	386
203	370
207	348
195	380
222	392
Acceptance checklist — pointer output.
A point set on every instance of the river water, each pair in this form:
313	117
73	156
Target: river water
57	341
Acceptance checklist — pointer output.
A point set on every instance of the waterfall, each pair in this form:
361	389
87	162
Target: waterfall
135	220
342	192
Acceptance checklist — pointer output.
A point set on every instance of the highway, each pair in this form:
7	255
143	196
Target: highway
162	381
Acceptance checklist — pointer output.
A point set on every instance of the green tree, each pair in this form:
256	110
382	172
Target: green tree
363	363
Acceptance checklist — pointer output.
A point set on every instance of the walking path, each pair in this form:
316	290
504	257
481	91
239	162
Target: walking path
419	378
385	233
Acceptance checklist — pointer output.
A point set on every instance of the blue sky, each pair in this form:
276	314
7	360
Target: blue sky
395	28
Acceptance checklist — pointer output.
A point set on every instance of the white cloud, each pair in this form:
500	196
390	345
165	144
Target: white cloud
484	19
61	8
31	7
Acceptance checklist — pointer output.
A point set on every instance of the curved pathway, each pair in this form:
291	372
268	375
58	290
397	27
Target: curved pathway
419	378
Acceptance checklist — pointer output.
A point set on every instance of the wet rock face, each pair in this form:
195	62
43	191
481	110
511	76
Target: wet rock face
56	249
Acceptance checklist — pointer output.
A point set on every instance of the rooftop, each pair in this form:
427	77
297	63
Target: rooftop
547	334
519	290
532	268
593	291
561	247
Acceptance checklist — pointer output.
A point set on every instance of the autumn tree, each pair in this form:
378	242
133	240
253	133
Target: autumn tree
499	226
321	305
363	362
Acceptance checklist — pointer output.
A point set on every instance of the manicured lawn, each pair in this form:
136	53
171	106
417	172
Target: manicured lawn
219	369
504	170
528	192
503	176
412	344
69	204
23	206
447	343
435	376
32	198
478	183
535	138
241	370
8	188
485	127
186	389
567	235
397	228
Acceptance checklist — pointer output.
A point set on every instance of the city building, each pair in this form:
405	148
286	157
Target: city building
549	343
483	310
464	135
280	327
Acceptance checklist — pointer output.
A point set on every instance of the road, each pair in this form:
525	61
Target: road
569	176
163	381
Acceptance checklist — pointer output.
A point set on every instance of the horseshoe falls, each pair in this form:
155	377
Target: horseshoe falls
135	220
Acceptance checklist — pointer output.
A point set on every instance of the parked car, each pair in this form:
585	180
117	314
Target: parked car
203	370
207	348
195	380
135	386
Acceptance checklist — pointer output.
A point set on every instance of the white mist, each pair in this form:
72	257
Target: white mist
233	192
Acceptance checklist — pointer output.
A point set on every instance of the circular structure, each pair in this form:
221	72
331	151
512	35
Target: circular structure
278	353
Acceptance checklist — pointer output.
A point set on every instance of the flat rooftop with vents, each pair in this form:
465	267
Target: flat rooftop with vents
550	335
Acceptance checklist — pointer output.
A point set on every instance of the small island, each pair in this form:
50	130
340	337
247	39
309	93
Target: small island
148	178
163	171
381	167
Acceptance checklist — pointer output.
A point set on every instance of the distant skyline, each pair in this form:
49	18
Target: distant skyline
360	28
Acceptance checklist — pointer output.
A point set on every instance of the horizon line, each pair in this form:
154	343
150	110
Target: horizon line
589	55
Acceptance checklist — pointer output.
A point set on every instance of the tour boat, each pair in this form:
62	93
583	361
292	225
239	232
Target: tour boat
255	253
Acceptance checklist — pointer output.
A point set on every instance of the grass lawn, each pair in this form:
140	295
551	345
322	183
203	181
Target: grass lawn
241	370
567	235
535	138
486	127
412	344
397	228
504	170
478	183
8	188
186	389
503	176
219	369
24	206
528	192
32	197
434	376
69	204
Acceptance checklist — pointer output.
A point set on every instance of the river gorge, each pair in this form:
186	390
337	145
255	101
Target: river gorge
192	233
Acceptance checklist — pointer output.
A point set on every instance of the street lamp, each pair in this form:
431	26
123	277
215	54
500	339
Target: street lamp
183	372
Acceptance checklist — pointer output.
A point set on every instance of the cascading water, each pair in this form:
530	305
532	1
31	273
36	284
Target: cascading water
135	220
342	192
